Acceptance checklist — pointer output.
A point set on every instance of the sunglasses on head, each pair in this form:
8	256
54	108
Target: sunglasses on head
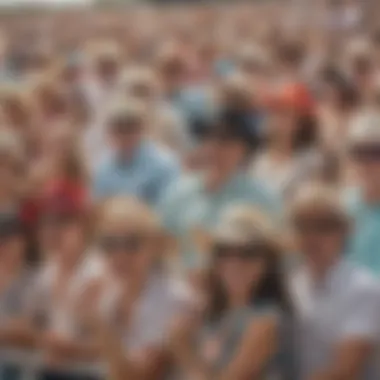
244	252
125	243
366	153
318	225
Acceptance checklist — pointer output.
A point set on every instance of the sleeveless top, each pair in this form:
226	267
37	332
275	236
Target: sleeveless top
228	331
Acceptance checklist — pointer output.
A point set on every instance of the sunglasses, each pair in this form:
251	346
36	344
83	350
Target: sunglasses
366	153
244	252
125	243
321	226
126	127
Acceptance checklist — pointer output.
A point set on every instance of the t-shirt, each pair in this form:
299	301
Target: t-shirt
345	305
163	298
187	206
221	339
364	244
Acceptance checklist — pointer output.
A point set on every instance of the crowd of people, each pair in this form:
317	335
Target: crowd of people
190	192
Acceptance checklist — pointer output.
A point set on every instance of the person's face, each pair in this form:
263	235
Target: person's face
222	153
239	267
130	251
8	176
282	123
126	135
12	250
62	235
320	238
107	70
366	160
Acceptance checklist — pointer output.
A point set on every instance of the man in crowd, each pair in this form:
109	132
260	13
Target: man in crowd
134	165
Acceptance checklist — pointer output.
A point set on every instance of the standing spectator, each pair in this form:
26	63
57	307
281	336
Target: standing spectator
364	201
337	304
136	165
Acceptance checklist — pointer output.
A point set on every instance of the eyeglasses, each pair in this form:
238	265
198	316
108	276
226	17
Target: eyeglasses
125	243
366	153
244	252
321	226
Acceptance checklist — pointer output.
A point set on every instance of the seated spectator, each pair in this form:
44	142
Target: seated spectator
290	156
246	308
17	335
68	350
140	298
364	200
197	201
337	304
136	165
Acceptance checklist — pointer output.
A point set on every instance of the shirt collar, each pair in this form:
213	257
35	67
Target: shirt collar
332	279
126	162
230	186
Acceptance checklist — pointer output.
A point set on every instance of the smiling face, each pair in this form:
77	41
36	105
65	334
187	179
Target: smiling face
129	236
239	267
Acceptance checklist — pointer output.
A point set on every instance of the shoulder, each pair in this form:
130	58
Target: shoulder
352	199
161	158
363	284
183	187
106	163
261	195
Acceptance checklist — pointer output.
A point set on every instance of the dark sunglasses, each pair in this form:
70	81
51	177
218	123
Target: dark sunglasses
245	252
125	243
126	127
366	153
318	226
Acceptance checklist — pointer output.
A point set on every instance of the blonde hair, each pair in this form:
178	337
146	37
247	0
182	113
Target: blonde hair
318	198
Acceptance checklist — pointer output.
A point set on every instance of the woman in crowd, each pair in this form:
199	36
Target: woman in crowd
66	271
17	336
241	333
337	304
140	297
291	128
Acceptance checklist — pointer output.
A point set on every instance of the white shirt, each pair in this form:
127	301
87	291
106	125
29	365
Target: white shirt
346	305
163	298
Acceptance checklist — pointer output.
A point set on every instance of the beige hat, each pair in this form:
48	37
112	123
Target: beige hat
365	128
125	110
239	224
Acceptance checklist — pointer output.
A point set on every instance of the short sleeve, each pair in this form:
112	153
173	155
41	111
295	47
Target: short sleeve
363	316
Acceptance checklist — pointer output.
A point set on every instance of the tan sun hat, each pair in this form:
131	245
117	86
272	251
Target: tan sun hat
239	224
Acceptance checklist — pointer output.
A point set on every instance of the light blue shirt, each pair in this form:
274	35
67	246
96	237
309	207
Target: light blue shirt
146	175
365	241
187	206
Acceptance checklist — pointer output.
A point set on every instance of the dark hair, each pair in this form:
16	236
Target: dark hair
290	53
271	290
307	132
348	96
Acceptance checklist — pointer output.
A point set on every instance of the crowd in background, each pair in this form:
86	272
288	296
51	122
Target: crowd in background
191	192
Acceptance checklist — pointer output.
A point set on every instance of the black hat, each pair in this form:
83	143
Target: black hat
237	125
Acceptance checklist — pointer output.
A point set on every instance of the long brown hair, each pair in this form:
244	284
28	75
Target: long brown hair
271	290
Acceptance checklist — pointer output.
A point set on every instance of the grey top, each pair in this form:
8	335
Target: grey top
221	339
